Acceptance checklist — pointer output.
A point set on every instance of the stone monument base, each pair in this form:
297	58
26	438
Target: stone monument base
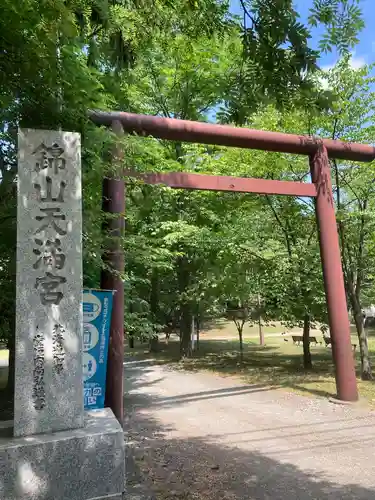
79	464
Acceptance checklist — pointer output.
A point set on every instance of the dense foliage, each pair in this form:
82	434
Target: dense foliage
189	253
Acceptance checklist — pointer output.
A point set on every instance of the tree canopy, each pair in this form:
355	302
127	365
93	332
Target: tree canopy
188	253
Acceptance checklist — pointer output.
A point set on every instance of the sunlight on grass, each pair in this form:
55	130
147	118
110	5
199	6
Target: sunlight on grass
227	329
277	364
4	355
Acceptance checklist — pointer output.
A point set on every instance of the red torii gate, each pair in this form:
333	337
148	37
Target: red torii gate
318	150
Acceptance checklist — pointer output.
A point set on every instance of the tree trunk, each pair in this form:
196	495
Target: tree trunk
366	371
241	343
239	325
154	307
154	344
185	308
307	363
197	324
185	331
131	341
154	295
193	336
354	286
261	333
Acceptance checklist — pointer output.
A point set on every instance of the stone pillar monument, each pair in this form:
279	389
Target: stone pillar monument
57	451
48	388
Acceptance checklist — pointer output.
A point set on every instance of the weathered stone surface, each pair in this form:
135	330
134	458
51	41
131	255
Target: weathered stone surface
80	464
48	380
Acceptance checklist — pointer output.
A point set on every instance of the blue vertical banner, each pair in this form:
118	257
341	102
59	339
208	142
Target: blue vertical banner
97	310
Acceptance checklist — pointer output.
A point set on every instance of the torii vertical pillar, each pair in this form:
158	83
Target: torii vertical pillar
113	203
333	278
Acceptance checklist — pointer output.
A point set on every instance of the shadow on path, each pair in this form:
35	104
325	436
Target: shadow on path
198	469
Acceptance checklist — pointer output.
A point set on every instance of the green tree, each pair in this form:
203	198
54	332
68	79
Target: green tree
351	118
181	59
271	245
277	63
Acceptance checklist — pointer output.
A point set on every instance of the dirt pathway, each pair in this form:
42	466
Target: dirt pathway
202	436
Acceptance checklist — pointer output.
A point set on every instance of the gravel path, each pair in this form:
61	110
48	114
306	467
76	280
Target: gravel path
202	436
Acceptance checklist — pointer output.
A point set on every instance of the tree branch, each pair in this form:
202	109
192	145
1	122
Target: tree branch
347	273
335	122
361	243
247	13
308	203
283	229
301	177
160	101
347	183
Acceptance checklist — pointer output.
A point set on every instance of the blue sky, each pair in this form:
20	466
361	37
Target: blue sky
364	53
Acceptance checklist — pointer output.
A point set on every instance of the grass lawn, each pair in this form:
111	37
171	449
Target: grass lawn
227	330
278	363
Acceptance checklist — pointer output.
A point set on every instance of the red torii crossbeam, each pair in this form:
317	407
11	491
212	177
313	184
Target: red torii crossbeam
185	180
318	150
224	135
